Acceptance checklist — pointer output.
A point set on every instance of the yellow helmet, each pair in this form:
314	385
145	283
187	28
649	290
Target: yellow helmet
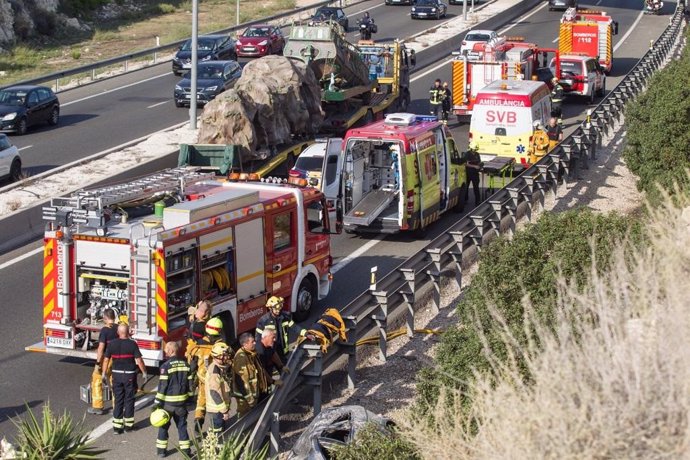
214	326
473	146
220	349
275	301
159	417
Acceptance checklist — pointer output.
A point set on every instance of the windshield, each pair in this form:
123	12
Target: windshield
325	13
477	37
210	71
256	32
425	3
570	67
204	44
12	97
309	163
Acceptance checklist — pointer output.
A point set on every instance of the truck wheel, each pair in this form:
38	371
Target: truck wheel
460	206
306	296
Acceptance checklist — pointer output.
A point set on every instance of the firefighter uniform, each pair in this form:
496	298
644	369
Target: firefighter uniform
107	334
249	380
174	389
282	324
218	394
436	94
556	100
123	353
446	103
199	356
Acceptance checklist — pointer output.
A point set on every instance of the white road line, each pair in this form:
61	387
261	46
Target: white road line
343	263
114	89
104	427
24	148
156	105
427	72
597	3
367	9
556	39
627	34
20	258
543	5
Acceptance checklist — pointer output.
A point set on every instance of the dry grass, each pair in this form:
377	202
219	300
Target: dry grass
616	387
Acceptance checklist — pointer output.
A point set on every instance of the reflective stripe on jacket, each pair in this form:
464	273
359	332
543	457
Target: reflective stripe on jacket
174	383
248	376
217	389
282	324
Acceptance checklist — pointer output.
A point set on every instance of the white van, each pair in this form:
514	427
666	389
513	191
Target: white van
503	118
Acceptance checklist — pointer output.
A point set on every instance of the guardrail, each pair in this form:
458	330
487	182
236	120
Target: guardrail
153	52
395	294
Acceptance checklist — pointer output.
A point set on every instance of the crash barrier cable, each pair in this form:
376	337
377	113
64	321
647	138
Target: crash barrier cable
396	294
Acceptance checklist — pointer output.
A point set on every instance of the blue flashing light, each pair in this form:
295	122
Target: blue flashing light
422	118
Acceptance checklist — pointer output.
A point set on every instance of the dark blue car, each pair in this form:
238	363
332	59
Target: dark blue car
27	105
213	78
209	48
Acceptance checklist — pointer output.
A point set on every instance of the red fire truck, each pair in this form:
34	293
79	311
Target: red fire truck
153	247
590	33
498	59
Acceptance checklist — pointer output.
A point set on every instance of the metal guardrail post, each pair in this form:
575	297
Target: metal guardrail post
582	151
407	293
381	320
477	236
495	218
527	192
456	254
350	349
274	440
545	182
435	274
512	207
313	377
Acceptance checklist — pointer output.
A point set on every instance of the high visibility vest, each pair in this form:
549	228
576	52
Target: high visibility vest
174	383
436	95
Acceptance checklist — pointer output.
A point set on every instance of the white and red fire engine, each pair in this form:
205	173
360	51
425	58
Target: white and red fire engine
153	247
498	59
588	32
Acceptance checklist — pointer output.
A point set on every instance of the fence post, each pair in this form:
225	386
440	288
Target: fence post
408	295
313	377
381	320
350	348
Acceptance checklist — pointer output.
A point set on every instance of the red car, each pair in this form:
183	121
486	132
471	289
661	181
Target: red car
260	40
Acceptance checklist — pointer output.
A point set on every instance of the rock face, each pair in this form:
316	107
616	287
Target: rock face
23	19
275	99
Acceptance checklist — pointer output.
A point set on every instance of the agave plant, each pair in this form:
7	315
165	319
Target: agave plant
232	449
54	438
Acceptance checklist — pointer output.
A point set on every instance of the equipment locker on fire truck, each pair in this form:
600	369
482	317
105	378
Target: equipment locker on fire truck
590	33
233	243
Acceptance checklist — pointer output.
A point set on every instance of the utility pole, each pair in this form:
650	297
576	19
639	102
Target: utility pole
237	16
195	60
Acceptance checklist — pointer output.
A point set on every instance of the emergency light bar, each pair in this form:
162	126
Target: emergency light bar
407	119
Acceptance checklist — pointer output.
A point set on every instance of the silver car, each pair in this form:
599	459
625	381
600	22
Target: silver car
562	4
10	161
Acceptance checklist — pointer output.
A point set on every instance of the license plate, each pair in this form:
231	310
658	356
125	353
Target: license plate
422	14
59	342
249	48
187	66
187	96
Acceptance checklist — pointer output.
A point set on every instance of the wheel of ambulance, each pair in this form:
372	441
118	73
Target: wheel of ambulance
306	297
460	205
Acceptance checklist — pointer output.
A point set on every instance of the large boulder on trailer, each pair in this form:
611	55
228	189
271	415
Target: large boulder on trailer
275	99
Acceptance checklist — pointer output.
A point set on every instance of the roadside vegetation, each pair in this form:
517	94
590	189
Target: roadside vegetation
133	30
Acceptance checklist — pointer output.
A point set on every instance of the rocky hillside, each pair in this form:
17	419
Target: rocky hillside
26	20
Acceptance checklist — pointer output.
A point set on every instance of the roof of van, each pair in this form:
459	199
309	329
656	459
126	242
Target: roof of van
381	128
516	87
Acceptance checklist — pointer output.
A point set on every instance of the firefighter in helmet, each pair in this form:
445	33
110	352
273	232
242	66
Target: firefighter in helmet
249	378
199	356
280	321
557	100
218	387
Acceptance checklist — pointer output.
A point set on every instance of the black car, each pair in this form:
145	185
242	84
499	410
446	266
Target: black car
428	9
332	13
562	4
210	48
24	106
399	2
212	79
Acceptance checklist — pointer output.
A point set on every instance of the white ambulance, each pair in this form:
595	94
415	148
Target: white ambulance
504	116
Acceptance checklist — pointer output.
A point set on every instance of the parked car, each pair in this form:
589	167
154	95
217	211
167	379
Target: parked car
212	79
428	9
476	36
581	76
309	164
10	161
260	40
209	48
27	105
332	13
562	4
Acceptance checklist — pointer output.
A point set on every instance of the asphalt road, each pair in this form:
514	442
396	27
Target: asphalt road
33	379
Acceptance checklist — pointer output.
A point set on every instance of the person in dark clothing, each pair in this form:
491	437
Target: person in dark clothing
265	350
557	95
435	97
126	356
108	333
199	315
474	166
446	102
281	322
173	392
554	131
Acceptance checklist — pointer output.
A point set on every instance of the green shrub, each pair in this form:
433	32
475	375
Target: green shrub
166	8
54	438
234	448
658	139
508	270
76	54
371	443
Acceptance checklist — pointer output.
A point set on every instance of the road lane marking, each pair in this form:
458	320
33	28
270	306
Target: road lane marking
555	39
362	249
627	34
519	21
20	258
367	9
156	105
108	91
24	148
438	66
597	3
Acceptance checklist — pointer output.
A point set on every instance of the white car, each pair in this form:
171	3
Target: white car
309	164
581	76
10	161
476	36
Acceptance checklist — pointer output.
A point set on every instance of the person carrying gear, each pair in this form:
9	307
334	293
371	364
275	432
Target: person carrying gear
173	392
249	380
108	334
446	102
218	387
540	142
474	167
281	322
198	316
556	99
327	328
125	355
199	357
435	97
